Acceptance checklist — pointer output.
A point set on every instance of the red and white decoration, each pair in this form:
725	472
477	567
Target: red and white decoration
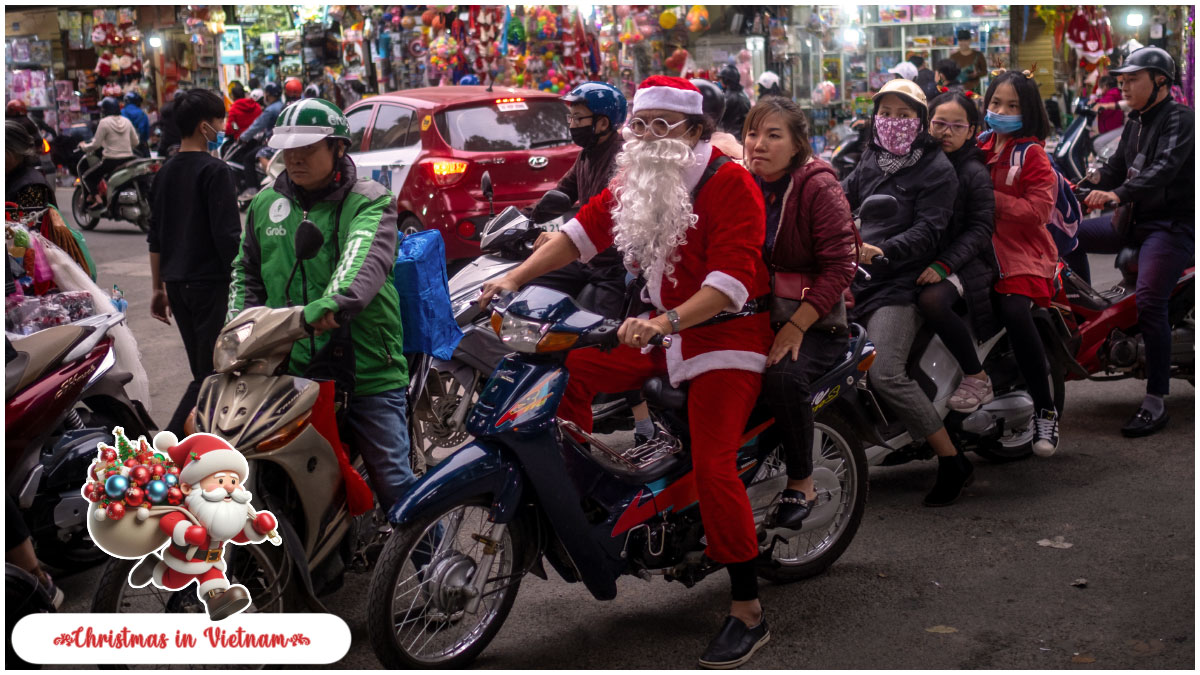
201	455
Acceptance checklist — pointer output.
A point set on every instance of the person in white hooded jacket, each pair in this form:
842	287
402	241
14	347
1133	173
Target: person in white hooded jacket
116	138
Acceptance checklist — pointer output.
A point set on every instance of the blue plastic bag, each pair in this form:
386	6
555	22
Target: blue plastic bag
425	312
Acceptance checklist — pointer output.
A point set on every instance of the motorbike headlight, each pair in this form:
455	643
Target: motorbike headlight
520	334
225	355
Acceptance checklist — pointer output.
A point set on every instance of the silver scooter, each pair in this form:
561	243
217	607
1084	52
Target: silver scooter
451	387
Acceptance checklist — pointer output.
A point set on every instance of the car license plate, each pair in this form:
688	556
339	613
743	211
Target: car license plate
510	107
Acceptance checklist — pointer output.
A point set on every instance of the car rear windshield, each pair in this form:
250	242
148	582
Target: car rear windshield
523	125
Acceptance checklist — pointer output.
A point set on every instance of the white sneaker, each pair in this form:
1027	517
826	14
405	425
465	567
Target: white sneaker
971	394
1045	433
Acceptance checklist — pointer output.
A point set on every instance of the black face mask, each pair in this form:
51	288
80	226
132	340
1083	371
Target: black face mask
584	137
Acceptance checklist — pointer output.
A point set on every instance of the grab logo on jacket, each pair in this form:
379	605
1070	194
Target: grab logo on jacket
281	209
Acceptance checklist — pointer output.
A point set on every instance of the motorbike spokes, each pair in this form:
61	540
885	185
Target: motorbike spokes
437	608
839	475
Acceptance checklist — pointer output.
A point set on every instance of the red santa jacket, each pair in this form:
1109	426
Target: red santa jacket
723	251
176	524
241	115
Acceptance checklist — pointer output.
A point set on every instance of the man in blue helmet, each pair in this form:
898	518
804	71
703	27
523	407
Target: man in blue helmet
597	111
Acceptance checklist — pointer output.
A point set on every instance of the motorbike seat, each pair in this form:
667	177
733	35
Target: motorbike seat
659	393
39	353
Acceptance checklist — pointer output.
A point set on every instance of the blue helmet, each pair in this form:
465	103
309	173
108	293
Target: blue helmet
134	98
273	90
602	99
469	79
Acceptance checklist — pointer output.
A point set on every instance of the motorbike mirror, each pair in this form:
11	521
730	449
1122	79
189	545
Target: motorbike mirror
485	185
877	207
555	202
308	240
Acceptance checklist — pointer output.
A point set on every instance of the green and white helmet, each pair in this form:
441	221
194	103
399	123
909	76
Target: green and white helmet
307	121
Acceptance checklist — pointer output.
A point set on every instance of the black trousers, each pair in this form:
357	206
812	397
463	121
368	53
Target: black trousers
94	175
199	311
787	386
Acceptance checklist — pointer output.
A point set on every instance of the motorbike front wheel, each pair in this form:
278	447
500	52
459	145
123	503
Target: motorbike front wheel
840	477
79	209
419	609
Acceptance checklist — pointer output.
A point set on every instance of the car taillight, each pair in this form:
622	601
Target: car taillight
466	229
446	171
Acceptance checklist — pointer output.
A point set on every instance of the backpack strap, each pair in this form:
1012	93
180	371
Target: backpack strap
709	171
1016	161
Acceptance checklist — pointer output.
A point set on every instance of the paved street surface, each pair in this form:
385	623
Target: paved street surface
961	587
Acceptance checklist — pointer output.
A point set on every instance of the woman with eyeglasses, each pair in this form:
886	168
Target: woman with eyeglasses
965	267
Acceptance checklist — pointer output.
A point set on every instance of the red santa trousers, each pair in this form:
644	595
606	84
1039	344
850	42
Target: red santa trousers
719	403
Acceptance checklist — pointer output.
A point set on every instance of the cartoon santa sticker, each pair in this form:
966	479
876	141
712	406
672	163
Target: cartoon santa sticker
212	476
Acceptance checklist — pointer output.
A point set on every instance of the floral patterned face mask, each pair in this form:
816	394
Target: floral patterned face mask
896	134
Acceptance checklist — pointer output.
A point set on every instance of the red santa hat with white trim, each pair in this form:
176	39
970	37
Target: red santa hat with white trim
659	92
201	455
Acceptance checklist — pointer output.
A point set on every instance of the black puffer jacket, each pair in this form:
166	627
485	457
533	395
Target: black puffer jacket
966	246
909	237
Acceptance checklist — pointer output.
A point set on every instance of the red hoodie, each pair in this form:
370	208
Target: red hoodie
241	115
1024	201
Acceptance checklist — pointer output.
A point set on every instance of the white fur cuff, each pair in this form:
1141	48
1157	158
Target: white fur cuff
578	236
731	287
180	530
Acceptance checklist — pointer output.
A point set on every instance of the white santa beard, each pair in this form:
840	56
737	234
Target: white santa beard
653	208
223	520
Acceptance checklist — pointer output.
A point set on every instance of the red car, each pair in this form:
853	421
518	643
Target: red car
431	146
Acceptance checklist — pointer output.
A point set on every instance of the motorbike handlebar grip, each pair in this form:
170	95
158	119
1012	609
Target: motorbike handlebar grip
663	341
879	260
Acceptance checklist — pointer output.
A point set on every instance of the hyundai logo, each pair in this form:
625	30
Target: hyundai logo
538	162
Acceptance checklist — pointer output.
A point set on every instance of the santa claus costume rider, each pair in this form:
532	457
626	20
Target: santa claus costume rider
692	223
212	475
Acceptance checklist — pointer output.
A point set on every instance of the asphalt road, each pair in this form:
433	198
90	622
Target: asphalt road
1126	506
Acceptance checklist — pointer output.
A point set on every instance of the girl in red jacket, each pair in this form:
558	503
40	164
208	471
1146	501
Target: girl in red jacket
1025	189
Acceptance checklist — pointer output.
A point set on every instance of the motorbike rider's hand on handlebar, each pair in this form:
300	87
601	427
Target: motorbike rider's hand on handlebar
496	287
326	322
637	333
160	307
867	253
1099	199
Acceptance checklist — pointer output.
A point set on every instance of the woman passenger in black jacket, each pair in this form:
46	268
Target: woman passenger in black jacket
902	160
965	267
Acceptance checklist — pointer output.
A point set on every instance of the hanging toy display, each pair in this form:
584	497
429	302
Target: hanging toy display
677	61
442	53
697	19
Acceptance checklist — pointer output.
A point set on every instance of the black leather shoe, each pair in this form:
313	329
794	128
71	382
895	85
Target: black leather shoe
793	508
735	644
1143	424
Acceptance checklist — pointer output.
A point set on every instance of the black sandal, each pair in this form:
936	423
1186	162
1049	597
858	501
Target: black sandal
793	508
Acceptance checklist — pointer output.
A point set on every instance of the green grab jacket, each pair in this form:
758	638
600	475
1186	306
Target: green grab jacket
351	275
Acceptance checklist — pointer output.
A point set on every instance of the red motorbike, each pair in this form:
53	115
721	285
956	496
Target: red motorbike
1099	336
63	394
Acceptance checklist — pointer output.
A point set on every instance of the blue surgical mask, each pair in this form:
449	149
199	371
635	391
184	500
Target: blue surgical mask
213	146
1005	124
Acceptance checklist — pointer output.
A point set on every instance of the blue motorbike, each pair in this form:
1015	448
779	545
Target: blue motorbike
533	488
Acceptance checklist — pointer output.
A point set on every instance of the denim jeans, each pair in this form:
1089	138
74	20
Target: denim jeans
379	429
1165	253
